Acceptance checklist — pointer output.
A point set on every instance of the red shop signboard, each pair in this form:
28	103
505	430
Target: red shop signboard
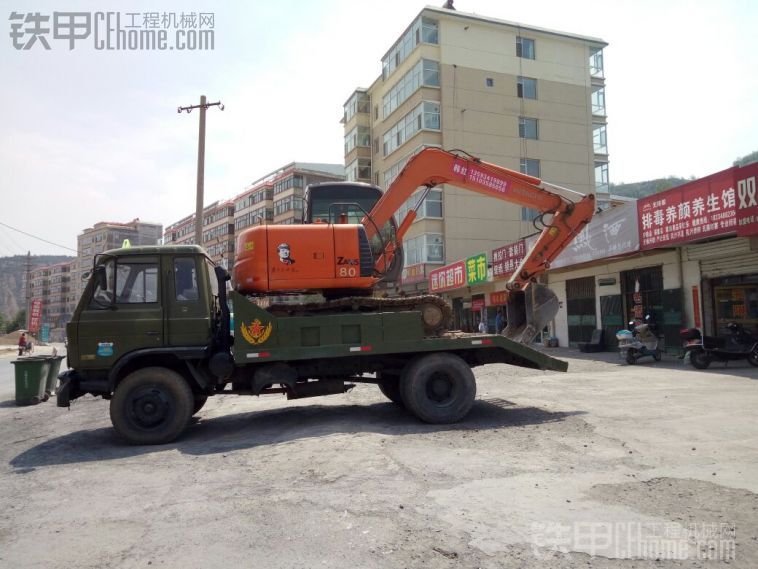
448	277
702	208
505	260
747	200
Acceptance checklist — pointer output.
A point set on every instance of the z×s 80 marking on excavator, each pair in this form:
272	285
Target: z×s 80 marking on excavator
345	261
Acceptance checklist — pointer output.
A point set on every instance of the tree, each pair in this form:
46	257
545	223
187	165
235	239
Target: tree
747	159
18	322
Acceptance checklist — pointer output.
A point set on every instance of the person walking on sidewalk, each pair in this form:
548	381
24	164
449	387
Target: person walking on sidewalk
21	343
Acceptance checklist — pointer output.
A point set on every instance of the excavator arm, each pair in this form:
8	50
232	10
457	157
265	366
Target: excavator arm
563	218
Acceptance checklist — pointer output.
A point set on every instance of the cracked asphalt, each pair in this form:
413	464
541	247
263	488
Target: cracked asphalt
608	465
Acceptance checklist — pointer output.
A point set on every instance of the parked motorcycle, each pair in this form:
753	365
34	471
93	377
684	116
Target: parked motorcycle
702	350
639	341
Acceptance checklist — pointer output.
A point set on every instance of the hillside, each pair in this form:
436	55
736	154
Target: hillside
642	189
650	187
11	280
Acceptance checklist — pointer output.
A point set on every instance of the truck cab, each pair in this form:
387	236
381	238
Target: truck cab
142	302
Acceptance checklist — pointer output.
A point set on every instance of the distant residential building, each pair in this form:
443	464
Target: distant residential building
218	231
52	285
107	235
276	197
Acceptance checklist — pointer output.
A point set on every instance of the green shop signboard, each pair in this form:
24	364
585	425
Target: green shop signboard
476	269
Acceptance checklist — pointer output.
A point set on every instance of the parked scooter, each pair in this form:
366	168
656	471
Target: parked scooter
639	341
702	350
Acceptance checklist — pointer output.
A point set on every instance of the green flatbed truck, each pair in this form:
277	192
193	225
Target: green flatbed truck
152	333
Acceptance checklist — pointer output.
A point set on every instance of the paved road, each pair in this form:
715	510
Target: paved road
586	469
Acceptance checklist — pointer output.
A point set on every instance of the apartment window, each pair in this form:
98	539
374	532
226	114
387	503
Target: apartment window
358	136
527	128
422	30
431	115
426	248
429	30
431	208
599	138
601	177
426	72
431	72
288	204
358	103
526	88
596	62
424	116
598	100
489	82
531	167
525	48
358	169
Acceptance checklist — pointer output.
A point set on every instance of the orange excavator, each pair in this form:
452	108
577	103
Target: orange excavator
344	250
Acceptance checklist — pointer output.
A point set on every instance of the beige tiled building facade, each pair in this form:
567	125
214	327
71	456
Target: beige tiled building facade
523	97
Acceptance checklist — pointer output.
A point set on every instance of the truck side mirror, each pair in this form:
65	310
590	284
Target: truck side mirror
102	279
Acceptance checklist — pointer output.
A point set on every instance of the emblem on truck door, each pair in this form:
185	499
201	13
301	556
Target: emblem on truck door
256	333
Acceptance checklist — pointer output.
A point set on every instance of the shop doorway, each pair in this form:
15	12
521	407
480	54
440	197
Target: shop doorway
611	319
580	309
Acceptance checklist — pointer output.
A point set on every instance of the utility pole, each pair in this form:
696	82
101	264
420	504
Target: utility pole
28	289
203	106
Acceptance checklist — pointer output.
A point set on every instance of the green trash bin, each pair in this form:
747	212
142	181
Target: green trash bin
31	379
52	374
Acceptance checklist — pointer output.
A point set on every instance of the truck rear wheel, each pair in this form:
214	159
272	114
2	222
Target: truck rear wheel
151	406
438	388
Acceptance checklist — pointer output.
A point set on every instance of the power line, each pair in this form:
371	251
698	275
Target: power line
38	238
9	237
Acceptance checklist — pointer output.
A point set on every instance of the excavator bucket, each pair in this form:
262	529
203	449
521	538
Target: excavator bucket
528	312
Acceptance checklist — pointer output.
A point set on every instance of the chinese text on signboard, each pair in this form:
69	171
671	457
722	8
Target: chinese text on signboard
448	277
35	315
506	259
476	269
698	209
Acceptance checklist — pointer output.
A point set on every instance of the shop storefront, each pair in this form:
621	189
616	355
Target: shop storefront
727	282
715	222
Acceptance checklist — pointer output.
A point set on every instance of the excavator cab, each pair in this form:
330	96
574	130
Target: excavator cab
349	202
338	202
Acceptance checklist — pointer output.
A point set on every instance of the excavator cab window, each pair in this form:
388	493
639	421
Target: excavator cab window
330	202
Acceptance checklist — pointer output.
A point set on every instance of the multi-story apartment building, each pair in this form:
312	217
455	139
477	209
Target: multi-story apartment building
52	285
218	232
519	96
275	198
110	235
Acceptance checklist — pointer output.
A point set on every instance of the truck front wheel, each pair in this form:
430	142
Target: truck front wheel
389	385
438	388
151	406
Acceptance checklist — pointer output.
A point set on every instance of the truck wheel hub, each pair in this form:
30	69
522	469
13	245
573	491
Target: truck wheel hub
150	408
439	388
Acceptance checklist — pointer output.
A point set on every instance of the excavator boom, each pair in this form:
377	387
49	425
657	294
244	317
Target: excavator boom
563	219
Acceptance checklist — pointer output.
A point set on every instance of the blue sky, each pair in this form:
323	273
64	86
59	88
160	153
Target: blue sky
91	135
